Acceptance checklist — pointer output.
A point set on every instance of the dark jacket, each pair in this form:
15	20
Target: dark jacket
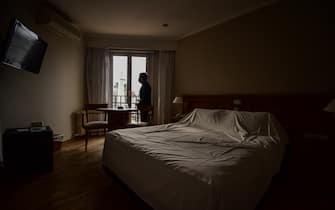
145	94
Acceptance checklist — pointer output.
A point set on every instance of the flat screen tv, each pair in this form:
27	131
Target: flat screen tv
23	49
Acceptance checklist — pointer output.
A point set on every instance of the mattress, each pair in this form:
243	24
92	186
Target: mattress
211	159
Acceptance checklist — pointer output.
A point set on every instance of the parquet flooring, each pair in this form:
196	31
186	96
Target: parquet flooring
78	181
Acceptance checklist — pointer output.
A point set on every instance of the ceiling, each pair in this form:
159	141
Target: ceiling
145	17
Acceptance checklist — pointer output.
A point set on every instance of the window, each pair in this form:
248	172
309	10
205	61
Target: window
126	87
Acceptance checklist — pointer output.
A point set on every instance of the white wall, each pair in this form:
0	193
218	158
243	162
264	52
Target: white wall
54	94
129	42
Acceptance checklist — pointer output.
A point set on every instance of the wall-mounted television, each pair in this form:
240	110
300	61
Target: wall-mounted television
23	49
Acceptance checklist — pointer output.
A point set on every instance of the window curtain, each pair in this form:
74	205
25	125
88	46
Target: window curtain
99	76
161	68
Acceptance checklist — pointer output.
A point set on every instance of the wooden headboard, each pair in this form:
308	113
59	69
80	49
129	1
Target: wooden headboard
297	113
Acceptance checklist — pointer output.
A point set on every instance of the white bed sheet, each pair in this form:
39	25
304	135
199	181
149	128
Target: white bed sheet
212	159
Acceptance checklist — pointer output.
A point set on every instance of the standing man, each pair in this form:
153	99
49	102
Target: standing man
145	97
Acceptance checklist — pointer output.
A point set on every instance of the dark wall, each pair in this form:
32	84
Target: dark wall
286	47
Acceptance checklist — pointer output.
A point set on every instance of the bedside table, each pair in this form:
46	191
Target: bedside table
27	150
310	164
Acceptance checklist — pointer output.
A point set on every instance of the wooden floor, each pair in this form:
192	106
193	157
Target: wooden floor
78	181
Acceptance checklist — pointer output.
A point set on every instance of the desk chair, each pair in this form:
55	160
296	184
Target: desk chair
95	120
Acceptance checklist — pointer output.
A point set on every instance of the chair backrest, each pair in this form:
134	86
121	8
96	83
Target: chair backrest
151	115
91	108
146	108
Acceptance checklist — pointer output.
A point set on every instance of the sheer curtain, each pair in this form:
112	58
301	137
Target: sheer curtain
99	75
161	67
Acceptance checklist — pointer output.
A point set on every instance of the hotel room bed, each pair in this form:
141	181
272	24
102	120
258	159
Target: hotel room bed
210	160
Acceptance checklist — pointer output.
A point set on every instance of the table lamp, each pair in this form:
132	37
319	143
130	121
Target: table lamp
330	107
178	100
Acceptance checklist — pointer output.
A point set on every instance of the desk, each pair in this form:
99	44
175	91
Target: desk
117	118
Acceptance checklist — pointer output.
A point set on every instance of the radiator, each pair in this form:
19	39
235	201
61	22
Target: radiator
78	128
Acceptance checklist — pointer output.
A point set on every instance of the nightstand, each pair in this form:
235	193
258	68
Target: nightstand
311	162
27	150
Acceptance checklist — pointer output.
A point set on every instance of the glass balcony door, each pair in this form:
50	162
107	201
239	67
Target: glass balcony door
126	69
120	81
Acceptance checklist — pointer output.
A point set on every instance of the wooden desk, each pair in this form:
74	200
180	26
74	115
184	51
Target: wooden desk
117	118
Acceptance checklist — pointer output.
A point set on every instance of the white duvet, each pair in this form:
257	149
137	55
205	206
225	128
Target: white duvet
231	155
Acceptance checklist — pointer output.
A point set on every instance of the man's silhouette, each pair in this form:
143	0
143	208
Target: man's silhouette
145	97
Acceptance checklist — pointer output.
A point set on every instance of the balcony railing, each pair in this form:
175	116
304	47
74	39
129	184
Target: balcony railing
122	101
